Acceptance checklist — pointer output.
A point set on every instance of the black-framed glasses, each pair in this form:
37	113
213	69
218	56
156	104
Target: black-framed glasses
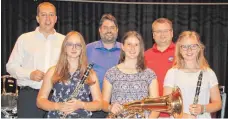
166	31
78	46
192	47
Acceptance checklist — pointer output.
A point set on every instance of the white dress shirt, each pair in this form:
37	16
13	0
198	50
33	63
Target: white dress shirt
33	51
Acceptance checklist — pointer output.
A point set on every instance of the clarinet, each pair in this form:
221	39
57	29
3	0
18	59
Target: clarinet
196	98
77	89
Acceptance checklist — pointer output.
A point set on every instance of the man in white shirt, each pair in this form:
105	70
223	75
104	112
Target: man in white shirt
33	54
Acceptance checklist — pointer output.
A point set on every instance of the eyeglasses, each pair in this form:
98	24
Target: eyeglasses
158	32
78	46
192	46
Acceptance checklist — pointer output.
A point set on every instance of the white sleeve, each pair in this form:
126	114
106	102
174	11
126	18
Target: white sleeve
169	80
213	78
14	65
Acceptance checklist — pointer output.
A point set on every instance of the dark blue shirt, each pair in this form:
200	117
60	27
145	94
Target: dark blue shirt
102	58
62	91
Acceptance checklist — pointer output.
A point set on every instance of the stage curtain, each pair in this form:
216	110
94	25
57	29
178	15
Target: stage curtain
210	21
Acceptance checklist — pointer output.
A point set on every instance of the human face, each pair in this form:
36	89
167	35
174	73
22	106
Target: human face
73	46
162	34
131	47
108	32
189	49
46	18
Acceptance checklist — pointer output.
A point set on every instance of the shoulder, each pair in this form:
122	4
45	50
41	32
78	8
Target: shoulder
118	44
209	71
148	54
148	51
92	44
28	34
148	70
173	69
26	37
111	72
113	69
60	36
51	70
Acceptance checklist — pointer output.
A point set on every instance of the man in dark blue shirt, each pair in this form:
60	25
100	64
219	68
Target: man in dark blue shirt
105	52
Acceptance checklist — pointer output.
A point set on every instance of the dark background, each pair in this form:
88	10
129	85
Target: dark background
210	21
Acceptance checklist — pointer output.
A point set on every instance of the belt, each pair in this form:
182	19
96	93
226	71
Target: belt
27	88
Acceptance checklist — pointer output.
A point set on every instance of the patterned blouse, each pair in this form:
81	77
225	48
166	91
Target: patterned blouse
62	91
129	87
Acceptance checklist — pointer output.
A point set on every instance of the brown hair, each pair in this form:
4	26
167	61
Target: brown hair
44	4
140	59
178	60
108	17
161	21
62	71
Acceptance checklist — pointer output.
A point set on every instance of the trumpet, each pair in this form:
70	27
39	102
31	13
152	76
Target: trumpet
171	104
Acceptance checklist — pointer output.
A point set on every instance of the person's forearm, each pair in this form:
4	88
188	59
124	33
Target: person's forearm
106	106
213	107
93	106
47	105
18	72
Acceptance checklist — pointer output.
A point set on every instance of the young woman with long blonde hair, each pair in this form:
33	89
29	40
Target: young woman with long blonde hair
65	77
192	74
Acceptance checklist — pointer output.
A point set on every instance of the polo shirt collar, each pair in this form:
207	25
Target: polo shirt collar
38	34
100	45
171	46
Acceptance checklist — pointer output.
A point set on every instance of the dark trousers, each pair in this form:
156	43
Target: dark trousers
99	114
26	104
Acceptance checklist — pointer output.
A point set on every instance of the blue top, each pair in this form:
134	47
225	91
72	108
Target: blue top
102	58
62	91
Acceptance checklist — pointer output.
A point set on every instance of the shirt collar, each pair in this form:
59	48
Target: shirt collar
100	45
38	34
171	46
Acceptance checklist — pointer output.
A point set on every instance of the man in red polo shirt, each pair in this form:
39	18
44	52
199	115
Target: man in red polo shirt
160	57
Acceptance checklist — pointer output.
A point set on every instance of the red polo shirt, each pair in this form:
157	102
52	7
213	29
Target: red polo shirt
160	62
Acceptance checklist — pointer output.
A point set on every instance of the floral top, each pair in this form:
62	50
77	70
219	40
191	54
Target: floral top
129	87
62	91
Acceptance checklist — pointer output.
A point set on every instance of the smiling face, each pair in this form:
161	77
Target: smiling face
189	48
131	47
162	34
73	46
108	31
46	17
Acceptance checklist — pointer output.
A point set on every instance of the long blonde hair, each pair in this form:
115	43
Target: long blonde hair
62	70
179	60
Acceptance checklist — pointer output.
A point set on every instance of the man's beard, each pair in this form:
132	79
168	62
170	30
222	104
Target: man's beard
108	40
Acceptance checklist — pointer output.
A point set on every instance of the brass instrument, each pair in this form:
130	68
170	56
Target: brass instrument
171	104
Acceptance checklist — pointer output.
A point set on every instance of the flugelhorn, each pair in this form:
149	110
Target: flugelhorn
171	104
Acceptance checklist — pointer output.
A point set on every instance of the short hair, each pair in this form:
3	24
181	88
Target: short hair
161	21
108	17
43	4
